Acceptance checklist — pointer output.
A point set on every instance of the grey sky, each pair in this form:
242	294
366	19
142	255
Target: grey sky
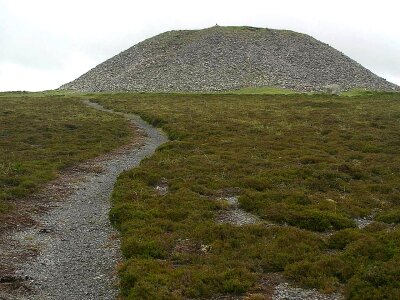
45	43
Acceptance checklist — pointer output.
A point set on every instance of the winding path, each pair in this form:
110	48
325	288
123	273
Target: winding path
72	251
77	249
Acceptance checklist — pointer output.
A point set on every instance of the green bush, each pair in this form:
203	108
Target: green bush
376	281
390	217
326	273
339	240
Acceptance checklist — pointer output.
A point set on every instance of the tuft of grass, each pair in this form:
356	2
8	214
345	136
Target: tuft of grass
357	92
391	216
308	163
262	90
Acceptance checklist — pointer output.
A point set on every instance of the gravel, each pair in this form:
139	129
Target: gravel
284	291
74	248
363	222
279	289
235	215
227	58
162	187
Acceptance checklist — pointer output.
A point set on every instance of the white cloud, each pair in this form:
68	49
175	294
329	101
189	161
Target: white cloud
46	43
15	77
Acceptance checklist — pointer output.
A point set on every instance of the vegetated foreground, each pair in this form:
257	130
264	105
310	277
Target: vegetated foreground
42	135
321	172
72	251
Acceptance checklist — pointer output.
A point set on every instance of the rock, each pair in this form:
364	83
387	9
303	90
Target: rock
333	89
235	215
227	58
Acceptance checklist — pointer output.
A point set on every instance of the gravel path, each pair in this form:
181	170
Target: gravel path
74	248
72	251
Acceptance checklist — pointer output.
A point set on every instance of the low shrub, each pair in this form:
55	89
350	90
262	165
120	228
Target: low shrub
308	163
391	217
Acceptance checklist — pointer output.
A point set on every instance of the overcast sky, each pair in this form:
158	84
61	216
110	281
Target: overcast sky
46	43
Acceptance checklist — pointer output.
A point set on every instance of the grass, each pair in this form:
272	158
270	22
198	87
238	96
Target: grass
311	164
49	93
41	134
262	90
357	92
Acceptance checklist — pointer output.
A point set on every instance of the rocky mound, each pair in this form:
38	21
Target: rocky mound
227	58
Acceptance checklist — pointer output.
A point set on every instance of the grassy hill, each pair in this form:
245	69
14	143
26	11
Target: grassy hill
313	168
41	134
320	172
